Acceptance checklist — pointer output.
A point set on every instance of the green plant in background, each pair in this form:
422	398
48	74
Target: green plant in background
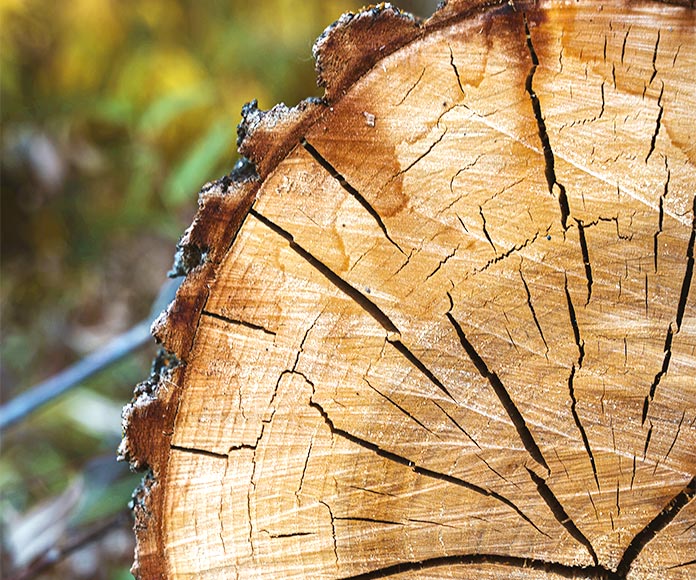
113	113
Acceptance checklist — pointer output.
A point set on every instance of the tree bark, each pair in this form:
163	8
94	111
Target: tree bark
442	324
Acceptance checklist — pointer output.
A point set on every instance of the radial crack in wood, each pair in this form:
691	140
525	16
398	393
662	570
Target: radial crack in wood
441	323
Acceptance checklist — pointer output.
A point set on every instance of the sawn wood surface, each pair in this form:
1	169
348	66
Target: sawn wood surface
443	323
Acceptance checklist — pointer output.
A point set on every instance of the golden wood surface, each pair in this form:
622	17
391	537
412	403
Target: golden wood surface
455	334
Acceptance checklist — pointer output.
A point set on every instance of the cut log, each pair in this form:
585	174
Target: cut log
442	324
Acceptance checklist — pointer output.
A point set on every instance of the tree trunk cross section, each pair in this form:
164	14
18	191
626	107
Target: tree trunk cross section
449	329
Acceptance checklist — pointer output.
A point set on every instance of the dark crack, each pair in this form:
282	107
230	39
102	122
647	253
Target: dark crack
442	263
574	324
333	528
549	158
594	507
500	390
462	223
500	475
683	564
509	252
457	425
369	520
531	309
604	49
618	498
456	72
681	308
580	343
579	425
667	357
421	156
654	58
585	258
288	535
658	123
203	452
689	271
647	441
623	45
416	362
676	54
459	172
244	323
541	566
661	215
485	230
424	471
676	435
331	170
363	301
410	90
399	407
304	468
560	513
641	539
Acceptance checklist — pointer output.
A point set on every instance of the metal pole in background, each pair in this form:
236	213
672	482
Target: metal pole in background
38	395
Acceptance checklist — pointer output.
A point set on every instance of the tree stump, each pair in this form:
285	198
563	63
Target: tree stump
442	324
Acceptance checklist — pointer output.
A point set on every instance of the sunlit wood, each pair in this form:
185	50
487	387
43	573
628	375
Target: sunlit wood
449	330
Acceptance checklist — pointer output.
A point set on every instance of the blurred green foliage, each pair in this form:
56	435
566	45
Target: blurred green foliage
114	113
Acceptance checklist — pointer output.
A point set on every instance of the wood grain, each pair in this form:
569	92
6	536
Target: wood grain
448	330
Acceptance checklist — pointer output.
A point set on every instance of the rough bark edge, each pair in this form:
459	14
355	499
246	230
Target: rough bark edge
147	422
355	42
222	208
266	137
344	52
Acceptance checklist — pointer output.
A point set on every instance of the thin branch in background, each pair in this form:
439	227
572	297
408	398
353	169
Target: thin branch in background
35	397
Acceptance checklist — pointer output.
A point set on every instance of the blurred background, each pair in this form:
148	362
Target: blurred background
114	113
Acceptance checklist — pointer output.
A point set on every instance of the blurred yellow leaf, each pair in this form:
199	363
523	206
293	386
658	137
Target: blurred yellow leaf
168	107
156	71
8	7
200	160
91	31
161	15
